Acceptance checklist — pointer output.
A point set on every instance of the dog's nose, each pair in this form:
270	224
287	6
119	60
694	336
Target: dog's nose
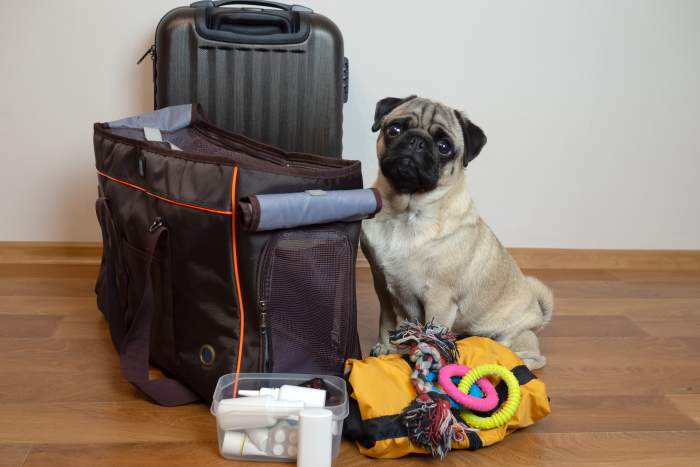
416	144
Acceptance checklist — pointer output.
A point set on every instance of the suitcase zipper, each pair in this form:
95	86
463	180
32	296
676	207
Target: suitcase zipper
151	51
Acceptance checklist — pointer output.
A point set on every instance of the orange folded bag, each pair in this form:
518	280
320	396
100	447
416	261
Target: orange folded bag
381	389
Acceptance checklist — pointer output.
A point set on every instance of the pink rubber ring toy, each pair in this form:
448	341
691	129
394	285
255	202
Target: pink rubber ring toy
488	402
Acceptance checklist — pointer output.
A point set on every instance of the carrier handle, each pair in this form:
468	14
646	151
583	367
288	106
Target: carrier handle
135	349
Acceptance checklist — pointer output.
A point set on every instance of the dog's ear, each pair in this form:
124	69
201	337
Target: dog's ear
385	106
474	137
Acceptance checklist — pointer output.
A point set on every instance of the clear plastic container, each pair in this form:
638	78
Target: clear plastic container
276	443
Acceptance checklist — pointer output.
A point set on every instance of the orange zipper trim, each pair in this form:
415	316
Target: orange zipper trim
167	200
241	332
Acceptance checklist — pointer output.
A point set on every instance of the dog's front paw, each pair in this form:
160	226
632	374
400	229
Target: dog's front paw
381	349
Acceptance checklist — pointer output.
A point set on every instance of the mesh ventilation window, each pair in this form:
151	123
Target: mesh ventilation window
308	286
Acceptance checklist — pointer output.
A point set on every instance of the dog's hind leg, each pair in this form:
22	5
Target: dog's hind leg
527	346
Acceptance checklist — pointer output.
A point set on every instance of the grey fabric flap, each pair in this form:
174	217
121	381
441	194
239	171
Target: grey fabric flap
281	211
166	119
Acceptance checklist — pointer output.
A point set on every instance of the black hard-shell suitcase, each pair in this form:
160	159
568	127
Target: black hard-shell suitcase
274	74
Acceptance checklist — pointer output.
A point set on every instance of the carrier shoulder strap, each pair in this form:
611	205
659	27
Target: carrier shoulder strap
135	348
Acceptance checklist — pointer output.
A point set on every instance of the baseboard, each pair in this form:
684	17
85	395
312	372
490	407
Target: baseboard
563	258
527	258
50	253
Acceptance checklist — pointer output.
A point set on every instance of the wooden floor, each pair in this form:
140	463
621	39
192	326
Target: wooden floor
623	376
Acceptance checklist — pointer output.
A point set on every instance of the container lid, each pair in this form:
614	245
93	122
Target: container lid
336	392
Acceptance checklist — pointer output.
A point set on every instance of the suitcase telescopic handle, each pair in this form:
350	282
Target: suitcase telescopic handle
281	6
242	26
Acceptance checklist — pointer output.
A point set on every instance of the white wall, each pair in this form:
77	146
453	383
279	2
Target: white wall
591	107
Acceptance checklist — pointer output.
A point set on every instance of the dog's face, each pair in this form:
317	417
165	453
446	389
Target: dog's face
422	143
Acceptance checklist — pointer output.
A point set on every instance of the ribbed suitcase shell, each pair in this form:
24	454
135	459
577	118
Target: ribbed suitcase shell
287	95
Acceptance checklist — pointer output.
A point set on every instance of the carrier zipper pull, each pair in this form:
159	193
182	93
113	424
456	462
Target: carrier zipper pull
151	51
157	223
265	338
263	316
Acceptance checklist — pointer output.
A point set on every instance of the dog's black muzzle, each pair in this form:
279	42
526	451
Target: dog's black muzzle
410	164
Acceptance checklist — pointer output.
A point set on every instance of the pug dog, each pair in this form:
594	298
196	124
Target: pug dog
432	256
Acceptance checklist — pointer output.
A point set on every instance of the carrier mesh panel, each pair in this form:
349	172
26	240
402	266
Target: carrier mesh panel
190	140
308	286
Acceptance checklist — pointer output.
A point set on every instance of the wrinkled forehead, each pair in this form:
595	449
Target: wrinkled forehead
427	114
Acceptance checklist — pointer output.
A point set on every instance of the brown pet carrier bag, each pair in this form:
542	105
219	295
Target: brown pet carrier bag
199	288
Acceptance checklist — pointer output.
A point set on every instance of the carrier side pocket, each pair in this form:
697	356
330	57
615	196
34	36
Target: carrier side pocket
135	351
162	342
305	301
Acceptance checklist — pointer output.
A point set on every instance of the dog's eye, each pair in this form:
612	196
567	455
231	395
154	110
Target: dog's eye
444	147
393	130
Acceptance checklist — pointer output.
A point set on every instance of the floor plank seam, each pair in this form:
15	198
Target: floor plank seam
26	456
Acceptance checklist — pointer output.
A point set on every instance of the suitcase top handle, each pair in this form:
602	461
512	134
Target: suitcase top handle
249	26
281	6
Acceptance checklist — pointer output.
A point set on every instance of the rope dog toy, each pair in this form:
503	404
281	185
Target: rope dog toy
507	410
428	419
490	400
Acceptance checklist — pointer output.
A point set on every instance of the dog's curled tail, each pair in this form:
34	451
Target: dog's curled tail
544	298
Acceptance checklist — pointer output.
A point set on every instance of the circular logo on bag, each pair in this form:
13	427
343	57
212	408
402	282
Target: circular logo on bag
207	355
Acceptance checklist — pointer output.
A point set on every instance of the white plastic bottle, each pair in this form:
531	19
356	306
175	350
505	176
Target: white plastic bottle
315	439
237	444
312	398
244	413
